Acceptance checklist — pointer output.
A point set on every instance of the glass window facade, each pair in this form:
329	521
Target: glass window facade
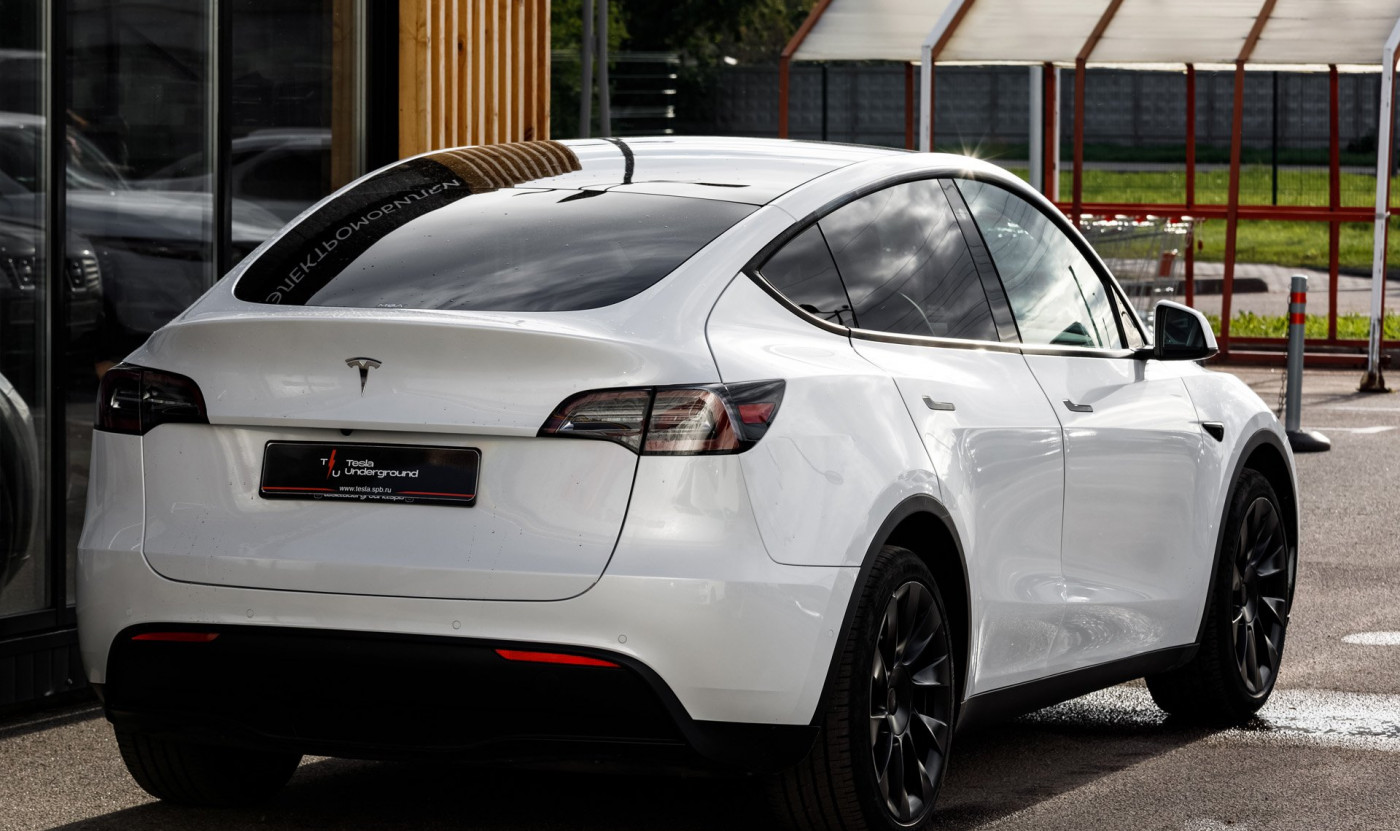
25	584
173	139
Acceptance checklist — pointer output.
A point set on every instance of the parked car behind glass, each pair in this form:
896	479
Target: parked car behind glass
152	248
283	171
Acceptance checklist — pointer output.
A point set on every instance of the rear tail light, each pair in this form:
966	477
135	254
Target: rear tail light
615	415
706	419
134	400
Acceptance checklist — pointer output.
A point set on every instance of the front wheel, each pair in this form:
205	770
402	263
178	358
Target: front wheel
1246	616
884	746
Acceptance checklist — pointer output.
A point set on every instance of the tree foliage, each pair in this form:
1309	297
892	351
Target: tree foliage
706	31
566	25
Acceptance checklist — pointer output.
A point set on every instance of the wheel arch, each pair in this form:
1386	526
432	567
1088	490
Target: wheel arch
1268	458
921	524
1265	454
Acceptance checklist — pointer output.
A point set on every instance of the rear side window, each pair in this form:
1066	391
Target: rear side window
906	264
423	236
804	273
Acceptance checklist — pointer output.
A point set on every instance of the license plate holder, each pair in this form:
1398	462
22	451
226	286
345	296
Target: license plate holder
361	472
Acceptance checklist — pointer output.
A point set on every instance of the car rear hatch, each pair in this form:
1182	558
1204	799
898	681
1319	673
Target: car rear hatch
314	401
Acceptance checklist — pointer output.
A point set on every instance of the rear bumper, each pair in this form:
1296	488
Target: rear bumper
376	696
689	593
724	652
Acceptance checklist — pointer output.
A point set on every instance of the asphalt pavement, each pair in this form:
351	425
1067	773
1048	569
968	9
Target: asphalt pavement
1324	753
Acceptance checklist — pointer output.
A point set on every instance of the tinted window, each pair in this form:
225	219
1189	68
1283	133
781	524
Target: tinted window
422	236
804	273
1055	294
906	265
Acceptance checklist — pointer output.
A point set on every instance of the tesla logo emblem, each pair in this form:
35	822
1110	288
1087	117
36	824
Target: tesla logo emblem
364	365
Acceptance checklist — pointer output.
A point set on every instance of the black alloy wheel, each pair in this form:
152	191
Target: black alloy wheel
1246	616
879	761
910	708
1259	588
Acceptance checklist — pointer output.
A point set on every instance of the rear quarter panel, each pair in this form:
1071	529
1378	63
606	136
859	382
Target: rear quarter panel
842	452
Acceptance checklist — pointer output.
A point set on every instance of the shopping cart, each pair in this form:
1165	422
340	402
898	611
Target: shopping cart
1144	253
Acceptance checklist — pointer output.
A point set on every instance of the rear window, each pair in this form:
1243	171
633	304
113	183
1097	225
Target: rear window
424	236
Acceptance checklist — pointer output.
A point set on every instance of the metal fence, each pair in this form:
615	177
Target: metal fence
1133	122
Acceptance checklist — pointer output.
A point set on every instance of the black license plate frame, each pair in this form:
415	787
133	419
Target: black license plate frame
370	472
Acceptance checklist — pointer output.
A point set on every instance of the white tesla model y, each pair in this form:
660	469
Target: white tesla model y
779	458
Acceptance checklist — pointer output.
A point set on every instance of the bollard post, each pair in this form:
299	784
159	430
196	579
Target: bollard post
1300	440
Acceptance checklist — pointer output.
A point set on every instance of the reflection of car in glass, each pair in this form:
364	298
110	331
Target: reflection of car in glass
778	457
153	248
20	256
283	171
19	483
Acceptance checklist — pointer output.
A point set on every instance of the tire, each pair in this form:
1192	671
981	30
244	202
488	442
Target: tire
19	512
186	773
1246	617
888	725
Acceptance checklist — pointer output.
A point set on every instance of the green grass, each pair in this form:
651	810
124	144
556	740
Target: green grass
1302	244
1349	327
1285	243
1168	154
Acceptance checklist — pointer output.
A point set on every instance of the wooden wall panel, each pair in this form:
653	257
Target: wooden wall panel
472	72
345	98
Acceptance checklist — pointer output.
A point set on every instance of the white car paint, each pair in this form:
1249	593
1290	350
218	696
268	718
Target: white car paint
728	576
1131	467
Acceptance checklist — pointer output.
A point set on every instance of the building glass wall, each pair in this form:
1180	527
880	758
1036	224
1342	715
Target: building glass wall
24	295
150	114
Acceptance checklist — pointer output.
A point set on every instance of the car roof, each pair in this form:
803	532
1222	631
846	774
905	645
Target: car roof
746	170
14	119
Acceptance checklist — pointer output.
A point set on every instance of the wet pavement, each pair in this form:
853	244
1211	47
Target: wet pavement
1324	753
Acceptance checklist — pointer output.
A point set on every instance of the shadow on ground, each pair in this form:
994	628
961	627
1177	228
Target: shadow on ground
994	773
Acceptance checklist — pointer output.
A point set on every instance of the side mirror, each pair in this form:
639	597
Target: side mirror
1180	333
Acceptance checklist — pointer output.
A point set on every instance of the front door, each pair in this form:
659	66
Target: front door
1132	441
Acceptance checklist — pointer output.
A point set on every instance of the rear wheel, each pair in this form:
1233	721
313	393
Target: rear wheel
197	774
884	746
1246	616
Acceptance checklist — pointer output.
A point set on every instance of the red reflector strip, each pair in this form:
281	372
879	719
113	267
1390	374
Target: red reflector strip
756	413
177	637
1298	297
1298	318
552	658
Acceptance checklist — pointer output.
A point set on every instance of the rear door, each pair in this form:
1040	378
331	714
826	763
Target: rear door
1132	439
918	310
